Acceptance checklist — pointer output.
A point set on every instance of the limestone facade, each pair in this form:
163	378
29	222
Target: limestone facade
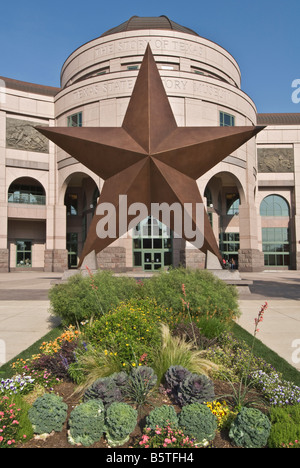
47	199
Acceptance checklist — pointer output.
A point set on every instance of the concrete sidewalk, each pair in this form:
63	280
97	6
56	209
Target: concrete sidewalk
280	329
25	317
24	311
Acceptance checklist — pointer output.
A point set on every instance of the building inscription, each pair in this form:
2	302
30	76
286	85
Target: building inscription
139	45
191	88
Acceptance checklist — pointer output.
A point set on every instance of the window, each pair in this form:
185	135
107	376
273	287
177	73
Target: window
75	120
24	253
232	204
132	67
72	248
26	194
229	243
226	120
276	246
274	205
72	204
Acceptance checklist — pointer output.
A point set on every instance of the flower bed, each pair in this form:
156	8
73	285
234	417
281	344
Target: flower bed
139	355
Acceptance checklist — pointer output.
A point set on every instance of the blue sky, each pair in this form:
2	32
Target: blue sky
36	37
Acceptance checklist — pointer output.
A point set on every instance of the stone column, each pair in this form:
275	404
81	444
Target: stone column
297	204
250	258
4	253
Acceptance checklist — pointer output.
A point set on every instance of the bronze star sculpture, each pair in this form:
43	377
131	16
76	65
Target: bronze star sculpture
150	159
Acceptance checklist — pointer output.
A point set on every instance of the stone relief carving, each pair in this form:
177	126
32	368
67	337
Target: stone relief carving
275	159
21	135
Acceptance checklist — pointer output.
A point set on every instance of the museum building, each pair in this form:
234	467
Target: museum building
48	199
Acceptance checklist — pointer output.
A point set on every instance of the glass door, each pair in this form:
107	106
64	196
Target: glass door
152	245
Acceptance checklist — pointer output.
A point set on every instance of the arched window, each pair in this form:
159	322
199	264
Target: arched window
274	205
26	191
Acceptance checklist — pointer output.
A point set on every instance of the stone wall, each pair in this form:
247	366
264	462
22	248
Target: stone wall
3	260
192	258
112	258
251	260
56	260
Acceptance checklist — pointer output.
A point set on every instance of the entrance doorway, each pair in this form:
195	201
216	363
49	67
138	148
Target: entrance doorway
152	245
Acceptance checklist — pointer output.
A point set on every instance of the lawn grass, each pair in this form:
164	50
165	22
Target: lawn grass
6	371
288	372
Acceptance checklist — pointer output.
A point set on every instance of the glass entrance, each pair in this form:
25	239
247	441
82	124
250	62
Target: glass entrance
152	245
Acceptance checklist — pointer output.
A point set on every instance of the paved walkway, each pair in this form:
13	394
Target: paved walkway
25	317
280	329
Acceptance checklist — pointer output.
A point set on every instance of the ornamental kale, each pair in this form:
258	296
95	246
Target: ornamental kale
250	429
48	413
86	423
108	389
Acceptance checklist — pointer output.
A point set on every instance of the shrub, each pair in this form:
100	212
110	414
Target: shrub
86	423
207	295
162	416
128	331
198	422
120	421
84	297
48	413
250	429
141	382
108	389
285	430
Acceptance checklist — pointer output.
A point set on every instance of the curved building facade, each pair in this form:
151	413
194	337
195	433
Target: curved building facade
48	199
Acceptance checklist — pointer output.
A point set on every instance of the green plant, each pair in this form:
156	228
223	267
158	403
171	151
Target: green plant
175	351
91	364
48	413
195	388
242	392
14	423
162	416
277	391
128	331
206	293
198	422
285	430
81	299
140	383
165	437
86	423
108	389
120	421
250	429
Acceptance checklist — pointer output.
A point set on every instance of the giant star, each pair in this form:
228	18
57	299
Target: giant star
149	158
